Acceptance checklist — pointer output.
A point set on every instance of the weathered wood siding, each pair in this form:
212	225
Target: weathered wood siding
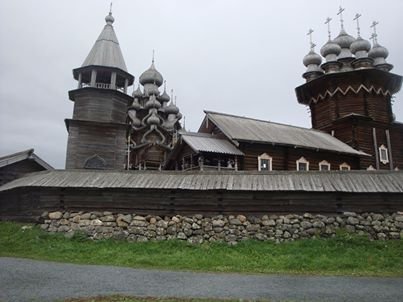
17	170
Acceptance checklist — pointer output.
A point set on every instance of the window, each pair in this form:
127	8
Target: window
383	154
344	167
264	162
302	164
370	168
324	166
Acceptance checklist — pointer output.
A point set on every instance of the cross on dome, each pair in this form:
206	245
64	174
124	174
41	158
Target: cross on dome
327	22
357	18
340	13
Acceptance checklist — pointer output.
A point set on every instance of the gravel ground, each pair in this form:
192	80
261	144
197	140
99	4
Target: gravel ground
31	280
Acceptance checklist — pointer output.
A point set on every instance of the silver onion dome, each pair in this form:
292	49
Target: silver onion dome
109	19
153	119
151	76
360	48
135	105
171	109
312	59
152	103
330	51
379	54
137	93
164	97
344	40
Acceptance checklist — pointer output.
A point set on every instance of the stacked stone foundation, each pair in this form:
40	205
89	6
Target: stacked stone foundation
228	228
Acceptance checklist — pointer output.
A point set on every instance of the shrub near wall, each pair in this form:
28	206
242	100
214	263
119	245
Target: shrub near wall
231	229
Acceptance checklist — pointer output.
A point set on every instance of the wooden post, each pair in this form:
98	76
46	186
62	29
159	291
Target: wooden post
389	149
236	163
93	78
113	80
201	163
375	148
126	85
80	79
219	165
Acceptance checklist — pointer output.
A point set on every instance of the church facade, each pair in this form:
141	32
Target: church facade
349	96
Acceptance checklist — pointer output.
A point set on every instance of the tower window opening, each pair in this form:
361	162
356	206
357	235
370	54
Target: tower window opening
324	166
344	167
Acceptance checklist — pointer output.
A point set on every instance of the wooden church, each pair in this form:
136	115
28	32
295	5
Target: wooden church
349	95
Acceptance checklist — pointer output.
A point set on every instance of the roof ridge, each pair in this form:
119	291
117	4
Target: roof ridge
28	151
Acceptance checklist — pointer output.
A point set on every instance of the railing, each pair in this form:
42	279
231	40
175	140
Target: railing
103	85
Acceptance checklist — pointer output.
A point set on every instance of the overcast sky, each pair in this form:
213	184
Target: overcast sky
240	57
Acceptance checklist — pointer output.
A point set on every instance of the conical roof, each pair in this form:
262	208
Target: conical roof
106	50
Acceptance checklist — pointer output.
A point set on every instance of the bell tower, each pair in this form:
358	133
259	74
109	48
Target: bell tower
350	96
97	130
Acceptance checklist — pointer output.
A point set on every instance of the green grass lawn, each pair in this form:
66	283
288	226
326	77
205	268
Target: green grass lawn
133	299
342	255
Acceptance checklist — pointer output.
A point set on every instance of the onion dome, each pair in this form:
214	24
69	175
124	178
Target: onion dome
137	93
344	40
171	109
312	58
152	103
179	116
379	54
135	105
153	119
109	19
360	48
164	97
151	89
151	76
330	51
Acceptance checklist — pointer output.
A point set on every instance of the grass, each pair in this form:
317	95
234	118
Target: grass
134	299
342	255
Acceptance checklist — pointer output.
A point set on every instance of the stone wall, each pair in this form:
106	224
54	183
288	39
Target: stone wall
231	229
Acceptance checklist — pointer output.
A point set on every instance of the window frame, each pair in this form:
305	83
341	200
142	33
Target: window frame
344	165
383	160
302	160
324	163
264	156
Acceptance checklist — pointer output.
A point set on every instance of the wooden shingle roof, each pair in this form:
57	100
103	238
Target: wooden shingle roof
318	181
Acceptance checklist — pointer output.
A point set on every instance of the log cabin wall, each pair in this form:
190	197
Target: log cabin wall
27	205
285	158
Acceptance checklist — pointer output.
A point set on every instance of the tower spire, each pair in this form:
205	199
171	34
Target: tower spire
357	18
340	13
327	22
110	9
153	56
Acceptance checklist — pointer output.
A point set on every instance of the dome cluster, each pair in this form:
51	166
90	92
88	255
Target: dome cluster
150	107
345	53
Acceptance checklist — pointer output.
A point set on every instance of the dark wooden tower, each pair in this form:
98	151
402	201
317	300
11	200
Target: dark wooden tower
97	131
350	96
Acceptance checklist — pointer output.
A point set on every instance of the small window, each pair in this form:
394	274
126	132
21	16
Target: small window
344	167
324	166
302	164
383	154
264	162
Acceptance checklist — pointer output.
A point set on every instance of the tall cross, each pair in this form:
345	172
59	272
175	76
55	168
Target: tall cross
328	27
357	18
172	95
340	13
110	9
374	36
310	32
153	56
